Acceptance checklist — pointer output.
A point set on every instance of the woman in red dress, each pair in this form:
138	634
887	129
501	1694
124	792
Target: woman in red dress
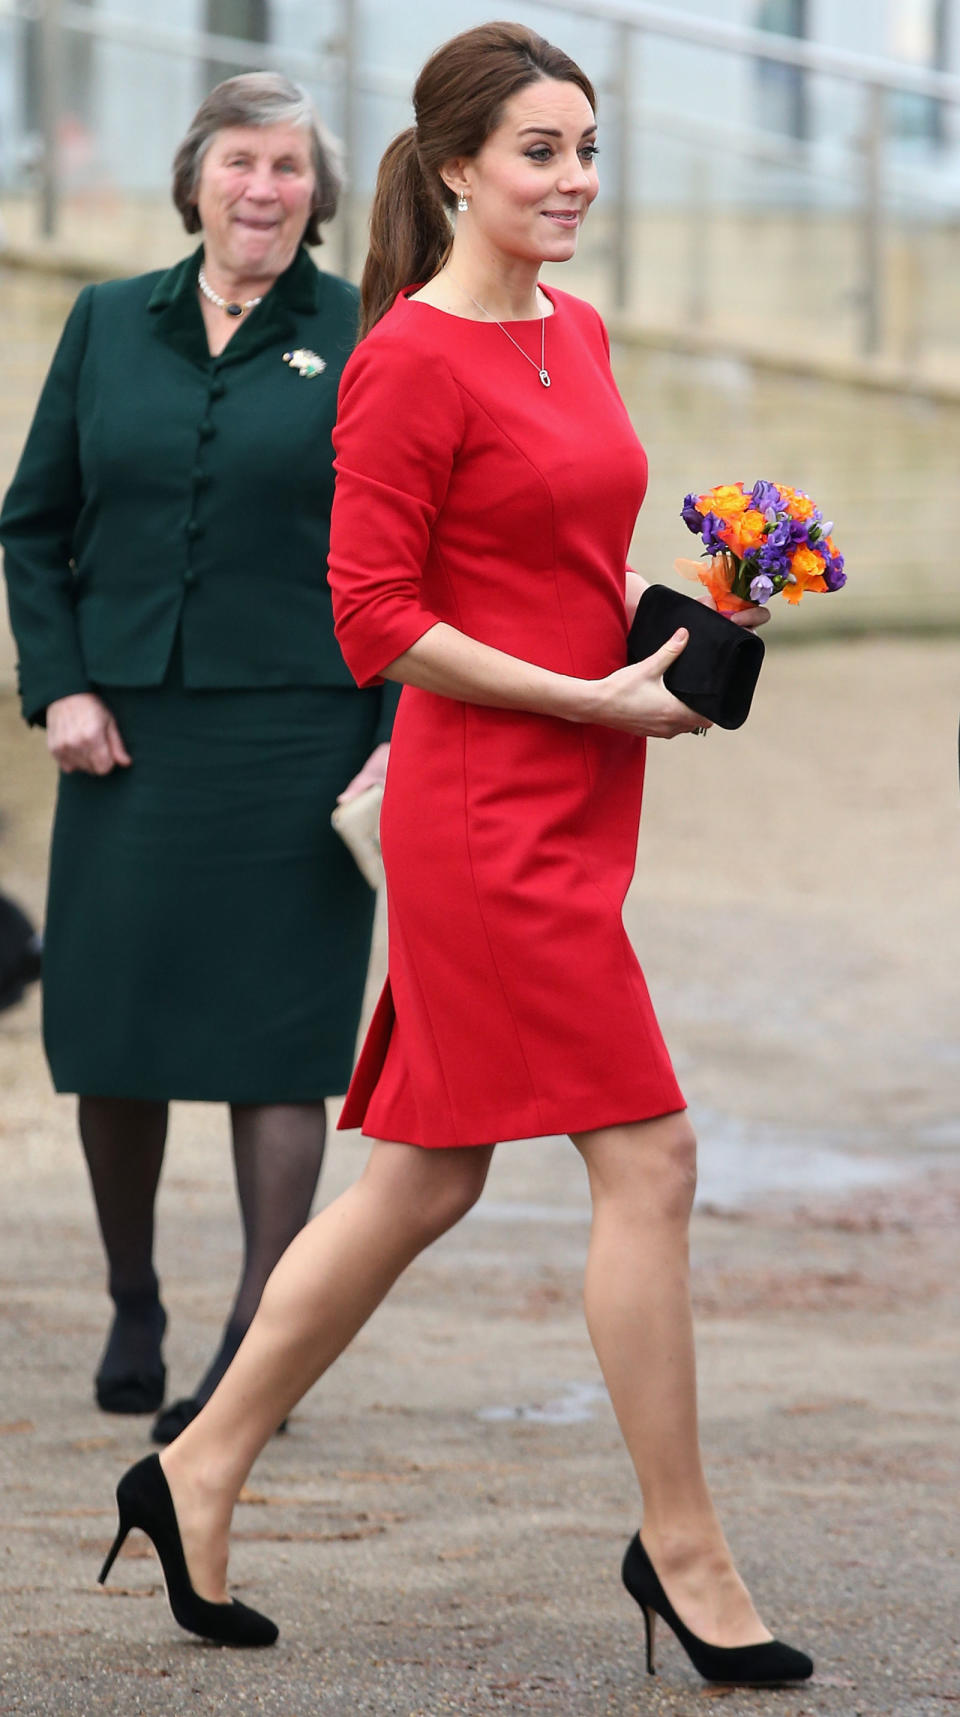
488	483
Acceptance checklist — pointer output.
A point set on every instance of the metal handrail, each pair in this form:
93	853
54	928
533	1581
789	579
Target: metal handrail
640	15
338	65
205	45
766	45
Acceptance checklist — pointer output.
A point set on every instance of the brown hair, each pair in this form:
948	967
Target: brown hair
258	98
458	100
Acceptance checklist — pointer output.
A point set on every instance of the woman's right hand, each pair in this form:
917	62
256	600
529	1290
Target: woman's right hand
636	699
82	734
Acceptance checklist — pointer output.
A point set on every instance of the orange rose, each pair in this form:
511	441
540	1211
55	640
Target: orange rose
798	506
807	566
745	533
728	500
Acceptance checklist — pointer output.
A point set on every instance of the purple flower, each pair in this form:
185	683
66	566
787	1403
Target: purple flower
774	559
761	588
691	514
766	497
781	537
711	533
833	574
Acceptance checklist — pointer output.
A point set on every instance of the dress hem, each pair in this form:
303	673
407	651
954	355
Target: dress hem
548	1130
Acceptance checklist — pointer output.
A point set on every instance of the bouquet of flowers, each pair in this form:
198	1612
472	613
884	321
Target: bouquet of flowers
760	542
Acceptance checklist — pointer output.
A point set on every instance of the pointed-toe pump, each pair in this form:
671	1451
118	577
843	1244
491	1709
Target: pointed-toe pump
769	1664
144	1501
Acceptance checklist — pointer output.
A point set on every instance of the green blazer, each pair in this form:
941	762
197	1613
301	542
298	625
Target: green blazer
162	488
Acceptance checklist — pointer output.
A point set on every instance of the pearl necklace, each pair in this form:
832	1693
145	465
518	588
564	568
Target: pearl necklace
229	305
540	368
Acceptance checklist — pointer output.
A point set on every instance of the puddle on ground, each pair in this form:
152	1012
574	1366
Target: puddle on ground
573	1406
744	1163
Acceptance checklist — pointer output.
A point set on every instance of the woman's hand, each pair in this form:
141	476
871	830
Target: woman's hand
751	617
83	735
373	774
636	699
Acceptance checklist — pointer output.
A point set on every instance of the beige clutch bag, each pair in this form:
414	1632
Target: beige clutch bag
358	824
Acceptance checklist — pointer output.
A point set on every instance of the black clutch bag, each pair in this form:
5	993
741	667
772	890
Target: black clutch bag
718	671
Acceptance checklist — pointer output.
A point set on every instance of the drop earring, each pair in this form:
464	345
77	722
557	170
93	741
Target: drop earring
462	204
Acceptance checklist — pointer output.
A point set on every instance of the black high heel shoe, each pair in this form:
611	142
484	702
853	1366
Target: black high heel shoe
768	1664
144	1500
132	1377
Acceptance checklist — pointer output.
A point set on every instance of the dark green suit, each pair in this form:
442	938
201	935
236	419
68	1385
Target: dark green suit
166	535
160	486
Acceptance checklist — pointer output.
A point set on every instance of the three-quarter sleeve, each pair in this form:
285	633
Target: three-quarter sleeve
37	528
399	425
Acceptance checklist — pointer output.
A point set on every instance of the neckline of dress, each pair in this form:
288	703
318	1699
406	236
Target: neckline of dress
475	321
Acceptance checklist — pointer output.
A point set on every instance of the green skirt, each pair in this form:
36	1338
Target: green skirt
207	933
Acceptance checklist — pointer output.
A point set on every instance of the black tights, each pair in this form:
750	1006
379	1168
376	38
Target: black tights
277	1154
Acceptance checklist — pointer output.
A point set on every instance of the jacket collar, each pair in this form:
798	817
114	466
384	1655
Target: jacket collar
177	318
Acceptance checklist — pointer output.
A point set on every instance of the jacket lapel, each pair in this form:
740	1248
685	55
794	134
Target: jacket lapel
175	313
177	318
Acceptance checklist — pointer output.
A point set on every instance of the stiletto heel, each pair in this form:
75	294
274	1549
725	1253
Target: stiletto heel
650	1627
112	1553
768	1664
144	1501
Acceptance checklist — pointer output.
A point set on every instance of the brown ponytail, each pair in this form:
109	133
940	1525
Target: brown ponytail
409	230
458	100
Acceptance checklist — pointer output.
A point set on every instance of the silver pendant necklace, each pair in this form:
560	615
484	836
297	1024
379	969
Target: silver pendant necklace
541	369
230	305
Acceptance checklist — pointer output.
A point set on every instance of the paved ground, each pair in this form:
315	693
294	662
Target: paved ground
440	1530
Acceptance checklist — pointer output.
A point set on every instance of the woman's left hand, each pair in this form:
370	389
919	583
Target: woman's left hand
373	774
751	618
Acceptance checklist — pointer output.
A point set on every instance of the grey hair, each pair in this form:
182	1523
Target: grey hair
259	98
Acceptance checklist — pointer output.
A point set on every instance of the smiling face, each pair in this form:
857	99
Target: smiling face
530	186
254	198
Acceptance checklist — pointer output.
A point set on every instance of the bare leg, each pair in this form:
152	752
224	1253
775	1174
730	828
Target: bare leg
329	1280
637	1295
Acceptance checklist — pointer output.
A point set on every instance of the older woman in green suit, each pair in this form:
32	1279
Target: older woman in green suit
166	535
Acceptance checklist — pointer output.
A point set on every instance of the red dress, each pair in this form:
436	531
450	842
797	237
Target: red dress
467	492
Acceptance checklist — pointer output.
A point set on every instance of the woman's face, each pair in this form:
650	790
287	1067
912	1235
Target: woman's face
531	184
254	198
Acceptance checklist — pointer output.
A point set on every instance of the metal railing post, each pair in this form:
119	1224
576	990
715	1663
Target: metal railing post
349	125
698	246
872	247
51	92
622	246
